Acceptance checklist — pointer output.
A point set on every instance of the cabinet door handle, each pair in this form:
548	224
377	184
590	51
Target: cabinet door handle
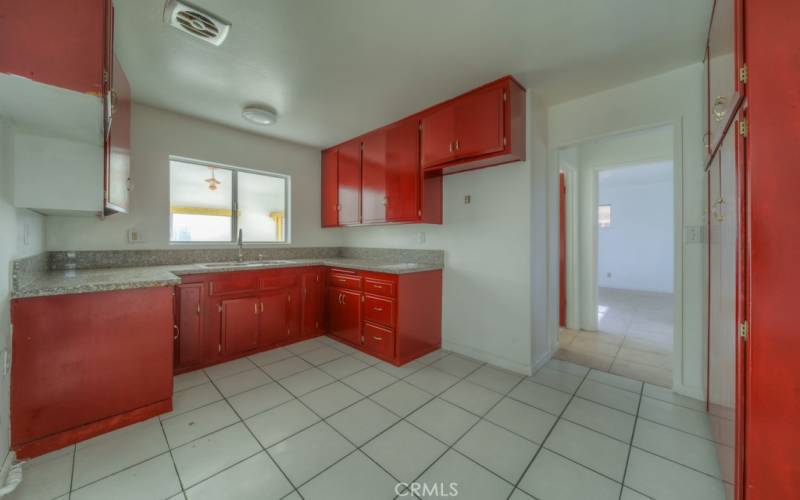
458	146
255	308
344	301
450	147
262	307
177	332
377	338
198	308
379	309
377	286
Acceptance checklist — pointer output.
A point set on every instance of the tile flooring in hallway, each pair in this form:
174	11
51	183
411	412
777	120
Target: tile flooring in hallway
634	337
320	420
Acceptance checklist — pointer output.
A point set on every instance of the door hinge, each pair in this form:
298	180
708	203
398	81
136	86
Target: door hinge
106	76
743	74
744	330
743	129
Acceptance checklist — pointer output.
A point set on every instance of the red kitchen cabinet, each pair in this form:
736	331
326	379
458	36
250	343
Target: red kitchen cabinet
379	340
62	44
330	188
85	364
189	327
373	190
294	312
349	189
482	128
313	303
344	314
240	322
273	325
439	132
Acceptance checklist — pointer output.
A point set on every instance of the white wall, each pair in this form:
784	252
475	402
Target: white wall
673	98
14	225
636	251
494	291
155	135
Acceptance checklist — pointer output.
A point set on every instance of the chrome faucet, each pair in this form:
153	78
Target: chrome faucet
239	243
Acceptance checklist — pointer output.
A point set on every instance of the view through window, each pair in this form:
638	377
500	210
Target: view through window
209	203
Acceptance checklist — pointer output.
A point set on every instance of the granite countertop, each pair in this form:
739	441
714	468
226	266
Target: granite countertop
125	278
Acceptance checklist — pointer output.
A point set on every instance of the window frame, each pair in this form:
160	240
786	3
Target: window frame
287	224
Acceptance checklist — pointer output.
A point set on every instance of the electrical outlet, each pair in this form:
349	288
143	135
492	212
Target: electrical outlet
467	199
135	236
608	275
694	234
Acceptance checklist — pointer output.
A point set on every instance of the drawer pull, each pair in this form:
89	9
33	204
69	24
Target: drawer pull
377	338
379	309
377	286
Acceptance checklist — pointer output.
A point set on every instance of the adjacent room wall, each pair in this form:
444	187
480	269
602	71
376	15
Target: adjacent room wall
636	251
155	135
495	296
23	236
673	98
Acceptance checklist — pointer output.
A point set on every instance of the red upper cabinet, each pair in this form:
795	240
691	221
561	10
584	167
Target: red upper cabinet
724	60
438	137
373	191
62	44
482	128
330	188
349	188
403	188
118	143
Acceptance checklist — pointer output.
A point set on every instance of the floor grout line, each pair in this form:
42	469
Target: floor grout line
630	445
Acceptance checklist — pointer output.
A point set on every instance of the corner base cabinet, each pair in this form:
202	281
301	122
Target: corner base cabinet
396	318
85	364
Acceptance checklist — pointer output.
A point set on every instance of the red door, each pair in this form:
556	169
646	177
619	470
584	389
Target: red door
330	188
438	136
190	326
240	318
272	322
374	177
479	123
118	144
403	172
562	250
350	183
344	314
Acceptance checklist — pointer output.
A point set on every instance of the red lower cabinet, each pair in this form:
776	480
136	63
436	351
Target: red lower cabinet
85	364
240	321
313	303
272	327
189	325
396	317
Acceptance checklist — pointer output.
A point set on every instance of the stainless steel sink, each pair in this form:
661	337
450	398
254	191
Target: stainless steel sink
249	263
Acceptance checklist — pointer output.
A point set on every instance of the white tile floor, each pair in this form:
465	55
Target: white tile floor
319	420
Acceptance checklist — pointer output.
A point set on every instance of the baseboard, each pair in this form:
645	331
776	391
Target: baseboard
488	357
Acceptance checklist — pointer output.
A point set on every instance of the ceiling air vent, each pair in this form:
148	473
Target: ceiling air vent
196	22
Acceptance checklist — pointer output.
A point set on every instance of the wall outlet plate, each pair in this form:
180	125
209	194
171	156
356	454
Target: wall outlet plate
135	236
694	234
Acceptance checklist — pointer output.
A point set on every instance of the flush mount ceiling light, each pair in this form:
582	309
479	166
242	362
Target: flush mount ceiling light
259	115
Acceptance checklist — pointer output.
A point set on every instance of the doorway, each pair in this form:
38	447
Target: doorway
617	246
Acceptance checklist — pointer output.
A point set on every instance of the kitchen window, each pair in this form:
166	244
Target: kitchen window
210	203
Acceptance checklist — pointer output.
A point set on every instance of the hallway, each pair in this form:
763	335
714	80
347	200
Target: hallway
634	337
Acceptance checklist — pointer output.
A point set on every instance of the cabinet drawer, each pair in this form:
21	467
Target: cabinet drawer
344	280
277	282
378	340
379	287
233	283
379	310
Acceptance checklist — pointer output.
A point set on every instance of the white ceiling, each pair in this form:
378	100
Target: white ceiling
336	68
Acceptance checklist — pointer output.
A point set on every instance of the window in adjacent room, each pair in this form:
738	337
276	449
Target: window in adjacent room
209	203
604	215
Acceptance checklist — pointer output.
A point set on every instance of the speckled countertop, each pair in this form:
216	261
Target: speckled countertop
123	278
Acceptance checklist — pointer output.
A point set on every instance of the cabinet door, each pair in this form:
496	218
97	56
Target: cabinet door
344	314
438	136
723	80
350	183
294	309
403	184
313	299
118	144
330	188
189	345
479	123
374	177
240	318
273	327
